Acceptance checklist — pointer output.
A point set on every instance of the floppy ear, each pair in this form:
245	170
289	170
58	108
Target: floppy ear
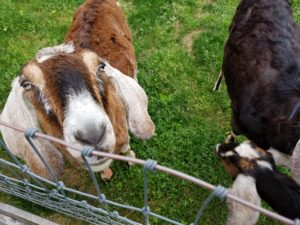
20	112
117	115
134	99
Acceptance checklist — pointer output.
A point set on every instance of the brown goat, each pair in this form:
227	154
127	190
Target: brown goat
75	93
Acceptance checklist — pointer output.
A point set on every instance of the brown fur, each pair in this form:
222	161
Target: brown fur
100	25
230	168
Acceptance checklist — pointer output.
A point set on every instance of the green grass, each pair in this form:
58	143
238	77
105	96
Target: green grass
190	119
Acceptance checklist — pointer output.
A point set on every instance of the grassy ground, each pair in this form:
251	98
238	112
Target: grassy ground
179	47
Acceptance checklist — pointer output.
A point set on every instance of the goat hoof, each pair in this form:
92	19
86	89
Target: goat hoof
106	174
130	154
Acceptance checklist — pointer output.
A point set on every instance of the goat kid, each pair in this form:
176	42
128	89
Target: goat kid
248	160
69	92
261	66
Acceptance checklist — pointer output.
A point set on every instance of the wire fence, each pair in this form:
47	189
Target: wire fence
53	194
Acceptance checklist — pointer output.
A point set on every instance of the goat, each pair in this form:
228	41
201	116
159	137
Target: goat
281	192
261	66
72	92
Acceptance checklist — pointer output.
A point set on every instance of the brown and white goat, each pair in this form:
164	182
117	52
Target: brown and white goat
261	66
70	91
281	192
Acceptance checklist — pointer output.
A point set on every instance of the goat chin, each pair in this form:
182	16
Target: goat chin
101	166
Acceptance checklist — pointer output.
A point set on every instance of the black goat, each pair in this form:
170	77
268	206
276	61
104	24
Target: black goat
261	67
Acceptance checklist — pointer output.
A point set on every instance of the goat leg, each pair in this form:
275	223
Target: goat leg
218	82
129	153
230	138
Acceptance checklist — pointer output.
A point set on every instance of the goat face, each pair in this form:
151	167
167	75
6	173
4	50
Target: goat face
243	158
77	103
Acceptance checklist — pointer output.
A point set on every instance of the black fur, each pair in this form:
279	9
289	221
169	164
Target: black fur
281	192
261	66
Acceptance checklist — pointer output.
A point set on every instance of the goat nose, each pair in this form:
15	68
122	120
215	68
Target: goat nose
92	135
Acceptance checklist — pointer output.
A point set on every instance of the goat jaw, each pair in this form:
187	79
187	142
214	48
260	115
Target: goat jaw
296	163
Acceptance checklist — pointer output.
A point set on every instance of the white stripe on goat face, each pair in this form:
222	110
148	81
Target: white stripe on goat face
86	123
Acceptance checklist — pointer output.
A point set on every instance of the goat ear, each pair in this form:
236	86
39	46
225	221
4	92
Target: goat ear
116	112
20	112
134	99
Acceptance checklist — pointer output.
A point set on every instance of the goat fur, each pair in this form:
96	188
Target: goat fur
243	187
102	27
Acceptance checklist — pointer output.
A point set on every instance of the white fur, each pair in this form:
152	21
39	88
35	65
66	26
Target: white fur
81	112
135	100
45	103
100	166
243	187
49	52
245	150
280	158
227	154
264	164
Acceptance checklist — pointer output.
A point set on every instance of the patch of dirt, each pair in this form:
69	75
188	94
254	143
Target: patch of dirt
188	39
177	26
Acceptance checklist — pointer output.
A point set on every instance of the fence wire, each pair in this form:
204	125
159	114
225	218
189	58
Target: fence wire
54	194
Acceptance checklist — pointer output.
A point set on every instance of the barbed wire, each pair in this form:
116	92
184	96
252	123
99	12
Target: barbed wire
51	194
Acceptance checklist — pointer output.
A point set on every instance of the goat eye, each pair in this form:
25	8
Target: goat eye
26	85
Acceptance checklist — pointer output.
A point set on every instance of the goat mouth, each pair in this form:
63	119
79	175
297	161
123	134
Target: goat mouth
96	160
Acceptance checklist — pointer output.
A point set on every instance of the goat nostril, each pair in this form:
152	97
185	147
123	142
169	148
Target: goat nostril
91	136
